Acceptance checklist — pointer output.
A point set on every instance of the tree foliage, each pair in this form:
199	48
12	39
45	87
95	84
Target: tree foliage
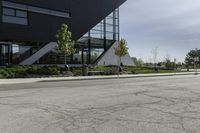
138	62
64	41
193	57
122	48
169	65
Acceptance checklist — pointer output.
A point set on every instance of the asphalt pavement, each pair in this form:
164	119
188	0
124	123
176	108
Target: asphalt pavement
169	104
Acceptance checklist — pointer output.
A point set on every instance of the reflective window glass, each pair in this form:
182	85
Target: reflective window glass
8	11
14	16
22	14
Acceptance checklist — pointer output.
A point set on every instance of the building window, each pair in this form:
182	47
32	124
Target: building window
28	8
14	16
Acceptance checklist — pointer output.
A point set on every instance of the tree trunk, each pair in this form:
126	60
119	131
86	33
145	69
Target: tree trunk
119	66
120	61
65	62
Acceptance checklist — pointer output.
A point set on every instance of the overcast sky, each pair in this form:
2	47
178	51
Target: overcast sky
172	25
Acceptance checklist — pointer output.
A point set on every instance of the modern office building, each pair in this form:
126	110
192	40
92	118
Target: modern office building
28	29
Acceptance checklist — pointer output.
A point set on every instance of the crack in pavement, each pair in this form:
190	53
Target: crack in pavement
145	108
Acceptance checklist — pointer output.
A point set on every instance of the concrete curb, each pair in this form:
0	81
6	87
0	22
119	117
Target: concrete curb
57	79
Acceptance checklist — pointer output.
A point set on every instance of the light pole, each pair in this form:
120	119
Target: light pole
196	60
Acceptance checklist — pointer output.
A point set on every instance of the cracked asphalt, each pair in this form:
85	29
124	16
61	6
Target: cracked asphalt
133	105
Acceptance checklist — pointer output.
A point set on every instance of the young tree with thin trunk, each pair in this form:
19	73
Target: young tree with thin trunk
65	44
121	50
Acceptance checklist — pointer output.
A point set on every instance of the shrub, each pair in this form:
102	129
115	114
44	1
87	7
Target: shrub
24	71
50	70
43	70
4	73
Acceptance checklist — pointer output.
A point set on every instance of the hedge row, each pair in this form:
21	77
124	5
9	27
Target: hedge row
26	71
36	71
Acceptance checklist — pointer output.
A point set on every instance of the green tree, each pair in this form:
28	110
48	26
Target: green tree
169	65
121	50
192	58
138	62
65	44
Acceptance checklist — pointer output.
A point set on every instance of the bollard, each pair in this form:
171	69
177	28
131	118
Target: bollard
85	70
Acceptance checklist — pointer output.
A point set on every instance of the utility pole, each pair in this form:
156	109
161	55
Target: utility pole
196	59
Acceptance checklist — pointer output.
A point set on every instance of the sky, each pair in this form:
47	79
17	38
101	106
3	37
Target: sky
171	25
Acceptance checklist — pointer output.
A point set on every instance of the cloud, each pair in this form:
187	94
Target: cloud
170	24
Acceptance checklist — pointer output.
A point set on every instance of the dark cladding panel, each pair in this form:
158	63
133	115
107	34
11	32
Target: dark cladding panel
0	11
62	5
1	19
46	28
41	28
87	13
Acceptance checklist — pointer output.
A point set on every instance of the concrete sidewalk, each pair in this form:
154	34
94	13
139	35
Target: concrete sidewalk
54	79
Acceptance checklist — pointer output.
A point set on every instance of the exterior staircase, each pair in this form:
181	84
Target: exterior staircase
37	55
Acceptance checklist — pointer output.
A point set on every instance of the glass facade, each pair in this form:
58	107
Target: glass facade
11	53
5	54
107	29
99	38
92	45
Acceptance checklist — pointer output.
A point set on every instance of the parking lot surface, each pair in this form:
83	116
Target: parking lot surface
133	105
